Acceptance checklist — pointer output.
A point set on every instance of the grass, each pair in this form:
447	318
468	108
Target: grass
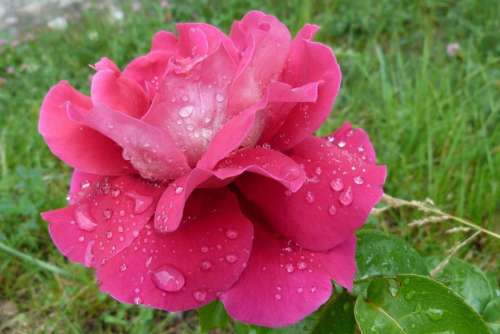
433	119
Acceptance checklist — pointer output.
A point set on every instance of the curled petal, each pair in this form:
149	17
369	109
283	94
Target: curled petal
79	146
340	191
164	41
188	268
104	221
117	92
282	283
308	62
150	149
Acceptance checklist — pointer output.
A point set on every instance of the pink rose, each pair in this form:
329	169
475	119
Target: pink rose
198	177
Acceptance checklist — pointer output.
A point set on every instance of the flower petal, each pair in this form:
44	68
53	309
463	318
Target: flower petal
164	41
282	283
188	268
105	221
191	102
264	43
340	191
148	71
266	162
77	145
150	149
308	62
118	92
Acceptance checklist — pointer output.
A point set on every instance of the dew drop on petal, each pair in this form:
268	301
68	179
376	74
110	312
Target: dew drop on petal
337	184
89	254
289	268
123	267
301	265
358	180
341	144
141	202
168	278
107	213
219	97
83	219
309	197
332	210
346	197
291	172
231	258
186	111
231	234
179	190
200	296
204	249
277	296
206	265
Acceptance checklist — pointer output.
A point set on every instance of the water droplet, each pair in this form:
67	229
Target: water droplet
109	234
301	265
148	261
81	238
186	111
206	265
332	210
330	139
199	296
231	234
204	249
341	144
309	197
435	314
179	190
89	254
185	98
359	180
291	172
137	300
313	289
289	268
168	278
277	296
123	267
361	149
83	219
345	197
115	192
107	213
141	202
337	184
135	233
231	258
318	170
219	97
410	295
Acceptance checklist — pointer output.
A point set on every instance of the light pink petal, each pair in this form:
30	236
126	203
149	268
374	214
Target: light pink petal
148	71
282	283
106	221
341	189
117	92
188	268
150	149
82	185
264	43
75	144
164	41
191	103
266	162
308	62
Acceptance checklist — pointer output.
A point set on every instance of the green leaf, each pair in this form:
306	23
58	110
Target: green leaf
337	316
382	254
412	304
466	280
213	316
491	314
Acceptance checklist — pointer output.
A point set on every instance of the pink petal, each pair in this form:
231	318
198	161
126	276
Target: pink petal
272	164
82	185
341	189
117	92
191	103
170	209
164	41
150	149
77	145
308	62
340	262
105	222
266	162
148	71
264	43
188	268
282	283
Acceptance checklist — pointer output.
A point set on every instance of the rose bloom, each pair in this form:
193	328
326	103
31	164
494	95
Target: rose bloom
197	176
